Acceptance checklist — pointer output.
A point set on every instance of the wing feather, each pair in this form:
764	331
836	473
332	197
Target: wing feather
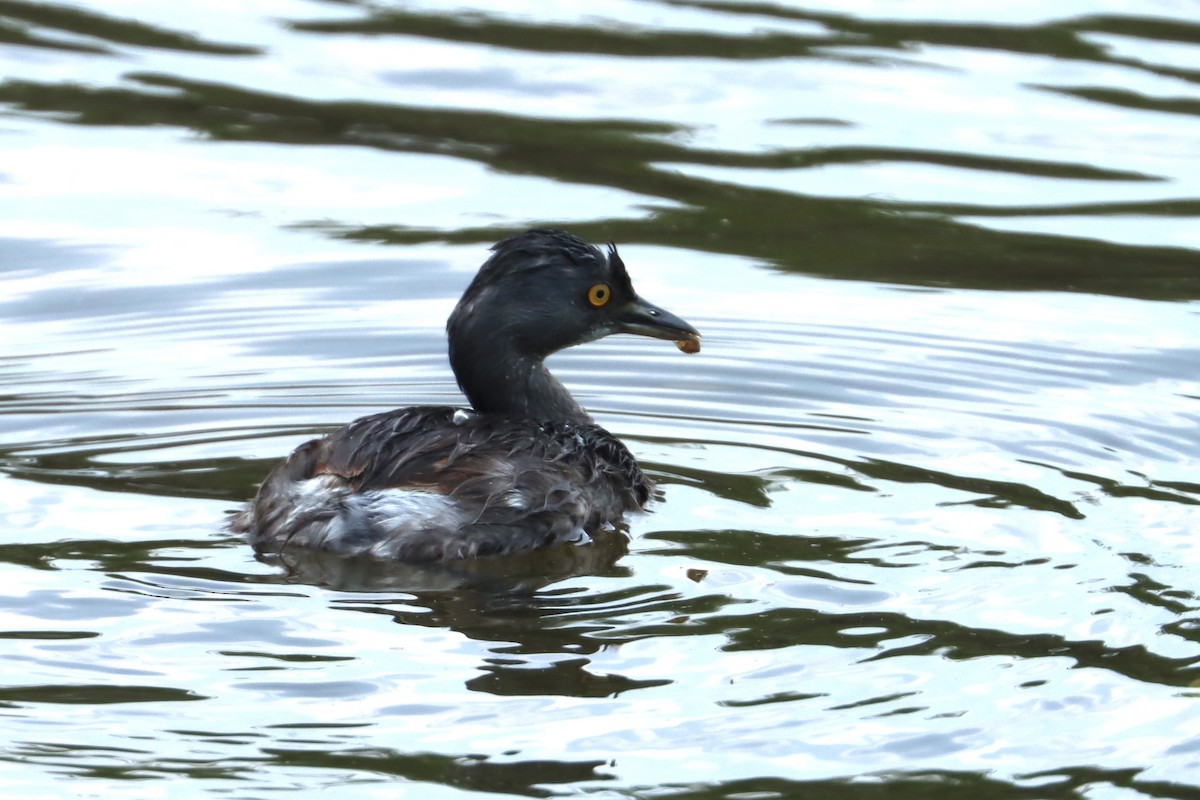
433	483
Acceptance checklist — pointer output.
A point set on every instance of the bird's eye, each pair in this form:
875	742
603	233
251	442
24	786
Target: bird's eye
599	294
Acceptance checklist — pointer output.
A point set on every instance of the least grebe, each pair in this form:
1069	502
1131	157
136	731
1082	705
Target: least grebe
526	467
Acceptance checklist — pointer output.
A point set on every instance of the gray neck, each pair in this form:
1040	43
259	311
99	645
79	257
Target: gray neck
505	382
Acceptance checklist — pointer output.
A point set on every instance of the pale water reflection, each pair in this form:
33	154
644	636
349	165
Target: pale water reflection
927	497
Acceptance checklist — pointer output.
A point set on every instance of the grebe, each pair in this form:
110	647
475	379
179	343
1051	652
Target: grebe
526	467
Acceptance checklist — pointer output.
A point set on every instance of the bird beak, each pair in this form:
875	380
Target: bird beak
647	319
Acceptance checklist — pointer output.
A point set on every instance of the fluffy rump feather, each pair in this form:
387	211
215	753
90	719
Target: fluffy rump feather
435	484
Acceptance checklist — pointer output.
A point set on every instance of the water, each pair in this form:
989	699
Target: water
927	497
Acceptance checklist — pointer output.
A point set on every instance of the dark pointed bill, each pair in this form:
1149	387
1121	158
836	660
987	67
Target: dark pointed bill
647	319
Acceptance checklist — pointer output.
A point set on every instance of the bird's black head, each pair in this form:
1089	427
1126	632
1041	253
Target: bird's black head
544	290
539	292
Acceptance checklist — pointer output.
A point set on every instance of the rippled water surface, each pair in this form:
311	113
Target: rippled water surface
928	498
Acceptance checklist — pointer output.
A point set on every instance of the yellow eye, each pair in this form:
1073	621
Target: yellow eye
599	294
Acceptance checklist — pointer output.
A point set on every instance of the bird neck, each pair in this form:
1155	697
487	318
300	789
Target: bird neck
507	382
